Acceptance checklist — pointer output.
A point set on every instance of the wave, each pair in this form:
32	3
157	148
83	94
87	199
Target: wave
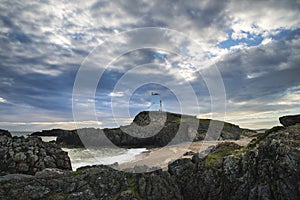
81	157
84	157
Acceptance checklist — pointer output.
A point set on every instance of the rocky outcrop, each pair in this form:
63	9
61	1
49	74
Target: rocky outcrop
52	132
69	138
66	138
29	155
268	168
5	133
98	182
289	120
150	129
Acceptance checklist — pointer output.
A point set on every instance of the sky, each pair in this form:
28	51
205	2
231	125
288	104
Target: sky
67	64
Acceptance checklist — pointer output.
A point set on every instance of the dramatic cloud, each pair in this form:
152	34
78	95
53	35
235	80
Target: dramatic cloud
254	44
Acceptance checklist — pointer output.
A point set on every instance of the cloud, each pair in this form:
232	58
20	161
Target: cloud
2	100
238	35
43	44
264	17
116	94
48	125
260	79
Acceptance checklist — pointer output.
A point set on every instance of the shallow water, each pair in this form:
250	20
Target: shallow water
83	157
20	133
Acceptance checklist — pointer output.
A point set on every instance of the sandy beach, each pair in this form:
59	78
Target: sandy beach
160	157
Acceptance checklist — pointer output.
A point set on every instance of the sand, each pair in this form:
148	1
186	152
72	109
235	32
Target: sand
161	157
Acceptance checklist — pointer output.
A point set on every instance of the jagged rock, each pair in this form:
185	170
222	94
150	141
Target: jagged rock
269	168
289	120
69	139
189	153
29	155
5	133
49	172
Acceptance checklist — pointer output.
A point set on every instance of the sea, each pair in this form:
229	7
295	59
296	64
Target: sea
81	157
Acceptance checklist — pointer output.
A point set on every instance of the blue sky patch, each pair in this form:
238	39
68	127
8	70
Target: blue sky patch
251	40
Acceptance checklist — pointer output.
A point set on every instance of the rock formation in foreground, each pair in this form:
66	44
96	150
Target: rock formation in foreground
268	168
148	129
29	155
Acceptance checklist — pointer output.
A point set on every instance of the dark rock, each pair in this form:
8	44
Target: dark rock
10	177
154	185
53	132
195	158
69	139
274	129
203	153
189	153
289	120
268	170
150	129
5	132
49	172
29	155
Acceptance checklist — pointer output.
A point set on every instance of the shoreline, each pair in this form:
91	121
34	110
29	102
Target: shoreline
149	157
161	157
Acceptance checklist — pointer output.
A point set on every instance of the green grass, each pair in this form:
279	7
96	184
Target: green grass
205	121
185	119
213	159
133	188
262	137
75	173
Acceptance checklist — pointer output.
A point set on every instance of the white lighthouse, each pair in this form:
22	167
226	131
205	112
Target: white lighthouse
156	103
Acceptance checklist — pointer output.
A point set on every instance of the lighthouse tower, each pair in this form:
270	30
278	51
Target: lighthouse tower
156	103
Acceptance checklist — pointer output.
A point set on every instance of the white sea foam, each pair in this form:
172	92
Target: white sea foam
48	138
84	157
20	133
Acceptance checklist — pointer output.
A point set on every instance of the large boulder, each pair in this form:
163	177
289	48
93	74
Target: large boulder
29	155
69	139
289	120
5	133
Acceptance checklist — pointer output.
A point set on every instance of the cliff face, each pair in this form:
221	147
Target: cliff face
268	168
150	129
29	155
